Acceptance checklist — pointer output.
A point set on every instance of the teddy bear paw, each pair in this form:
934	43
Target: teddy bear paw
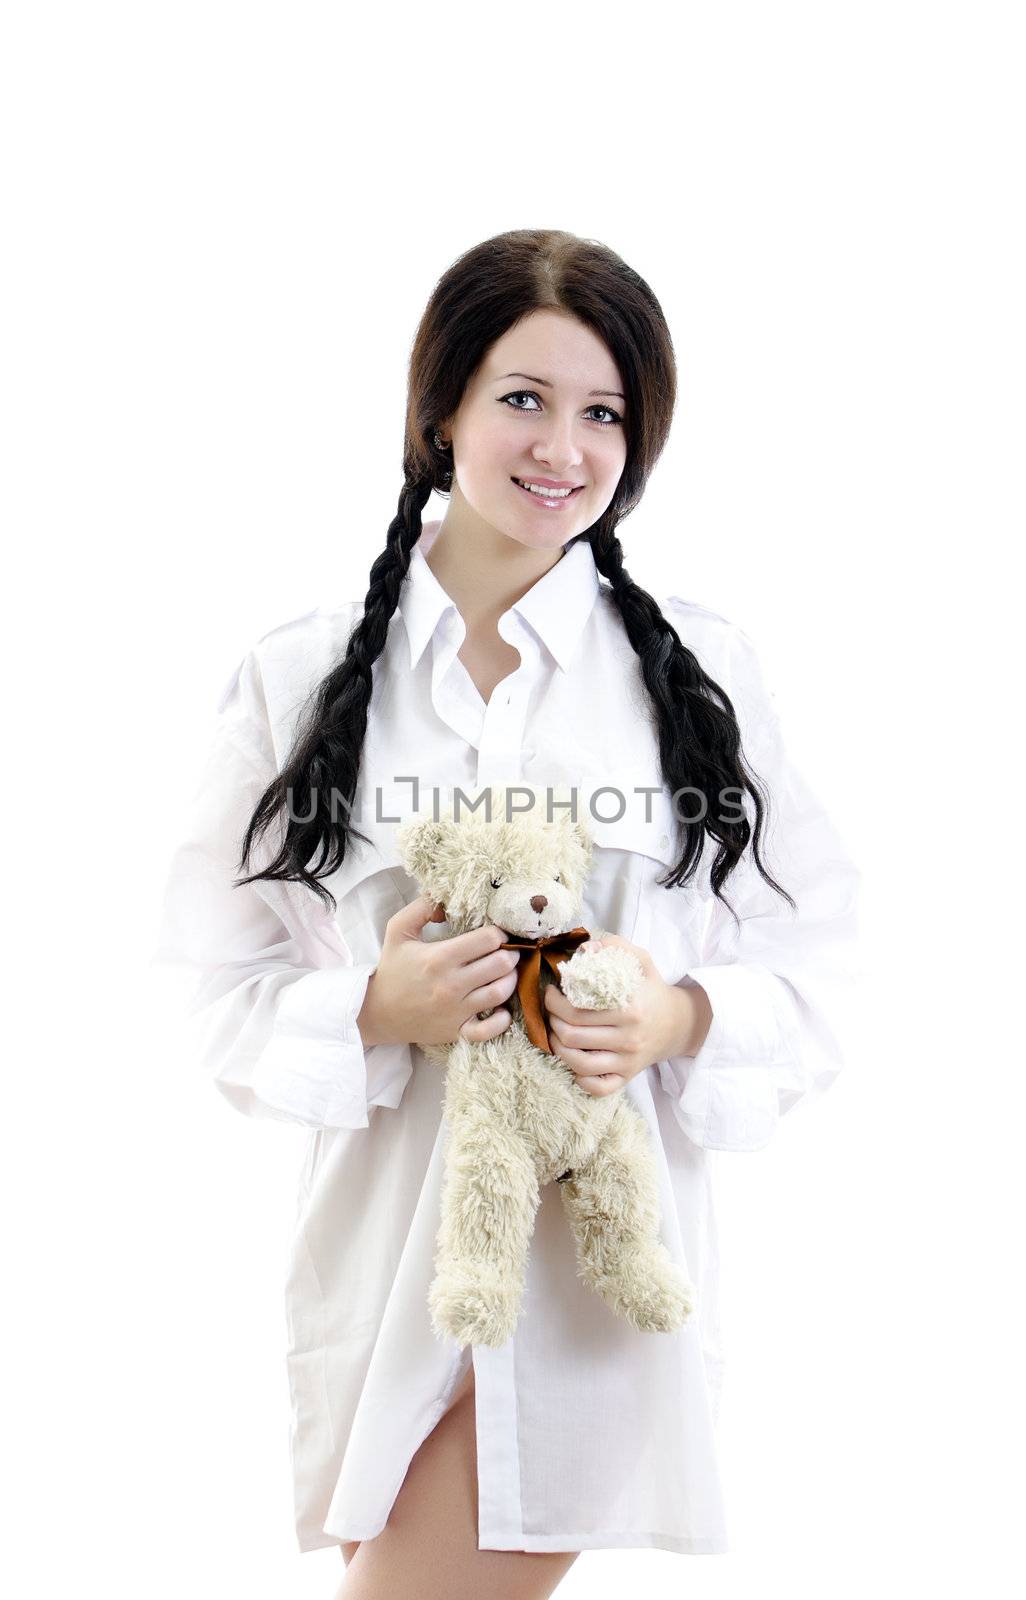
600	980
474	1302
656	1298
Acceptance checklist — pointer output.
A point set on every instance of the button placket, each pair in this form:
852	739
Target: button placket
455	709
500	754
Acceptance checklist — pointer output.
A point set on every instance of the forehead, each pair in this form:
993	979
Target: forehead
556	349
520	841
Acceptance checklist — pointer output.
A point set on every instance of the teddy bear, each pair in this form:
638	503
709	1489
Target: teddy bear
516	1116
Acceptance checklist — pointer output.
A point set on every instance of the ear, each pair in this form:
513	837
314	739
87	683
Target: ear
580	834
576	851
563	797
418	843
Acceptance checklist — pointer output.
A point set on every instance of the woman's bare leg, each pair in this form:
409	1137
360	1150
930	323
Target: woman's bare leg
428	1550
463	1388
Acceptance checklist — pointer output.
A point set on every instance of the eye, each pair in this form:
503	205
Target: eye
529	394
496	883
557	878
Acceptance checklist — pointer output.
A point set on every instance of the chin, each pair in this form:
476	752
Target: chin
553	538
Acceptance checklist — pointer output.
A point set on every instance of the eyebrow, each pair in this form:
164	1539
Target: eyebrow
545	384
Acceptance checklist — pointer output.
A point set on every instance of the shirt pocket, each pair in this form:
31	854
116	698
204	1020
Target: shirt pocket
371	885
664	921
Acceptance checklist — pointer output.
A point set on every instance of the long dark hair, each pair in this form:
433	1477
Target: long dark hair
481	296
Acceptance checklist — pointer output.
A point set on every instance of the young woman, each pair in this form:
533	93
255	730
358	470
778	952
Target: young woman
507	643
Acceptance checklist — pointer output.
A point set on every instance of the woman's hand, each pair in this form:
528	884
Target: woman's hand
604	1049
430	991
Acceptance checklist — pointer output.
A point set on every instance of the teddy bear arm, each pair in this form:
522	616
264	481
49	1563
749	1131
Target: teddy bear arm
601	980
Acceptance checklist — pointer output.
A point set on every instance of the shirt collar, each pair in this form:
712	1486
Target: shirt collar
557	607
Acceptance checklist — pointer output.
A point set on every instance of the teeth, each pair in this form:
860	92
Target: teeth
545	494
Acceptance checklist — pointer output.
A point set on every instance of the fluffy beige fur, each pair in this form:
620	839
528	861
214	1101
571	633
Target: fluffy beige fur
516	1116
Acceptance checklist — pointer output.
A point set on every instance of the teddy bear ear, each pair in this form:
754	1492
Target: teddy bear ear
580	832
582	836
418	843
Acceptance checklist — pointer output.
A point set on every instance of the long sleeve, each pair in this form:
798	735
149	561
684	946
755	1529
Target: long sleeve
273	1007
780	989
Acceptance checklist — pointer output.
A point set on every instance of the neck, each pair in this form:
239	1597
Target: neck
482	570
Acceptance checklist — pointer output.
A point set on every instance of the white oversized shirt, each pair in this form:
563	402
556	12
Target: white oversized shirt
589	1433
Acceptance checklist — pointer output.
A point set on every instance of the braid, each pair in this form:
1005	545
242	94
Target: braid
325	757
699	737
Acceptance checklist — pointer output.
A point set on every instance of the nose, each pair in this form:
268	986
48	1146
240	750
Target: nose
558	450
538	902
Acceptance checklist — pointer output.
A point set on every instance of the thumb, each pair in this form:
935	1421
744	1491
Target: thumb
420	911
639	951
603	941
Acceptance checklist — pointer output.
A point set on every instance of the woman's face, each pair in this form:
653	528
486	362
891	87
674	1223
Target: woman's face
546	403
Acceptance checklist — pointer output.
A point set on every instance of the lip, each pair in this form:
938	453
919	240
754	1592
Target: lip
548	505
552	483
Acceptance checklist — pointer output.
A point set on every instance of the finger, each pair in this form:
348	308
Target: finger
614	941
478	942
493	993
589	1063
478	1029
410	919
584	1038
607	1084
486	968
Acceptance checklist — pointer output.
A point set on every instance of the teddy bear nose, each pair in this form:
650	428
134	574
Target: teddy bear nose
538	902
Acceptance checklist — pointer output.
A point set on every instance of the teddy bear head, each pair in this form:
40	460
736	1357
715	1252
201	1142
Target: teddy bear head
501	859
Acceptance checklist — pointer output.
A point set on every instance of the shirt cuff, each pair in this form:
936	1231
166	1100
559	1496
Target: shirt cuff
728	1095
314	1068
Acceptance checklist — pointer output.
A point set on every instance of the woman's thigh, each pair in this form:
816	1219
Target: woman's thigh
428	1550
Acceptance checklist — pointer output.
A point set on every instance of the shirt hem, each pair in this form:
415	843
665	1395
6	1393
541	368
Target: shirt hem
699	1544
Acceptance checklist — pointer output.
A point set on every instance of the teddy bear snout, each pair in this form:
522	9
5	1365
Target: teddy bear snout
538	902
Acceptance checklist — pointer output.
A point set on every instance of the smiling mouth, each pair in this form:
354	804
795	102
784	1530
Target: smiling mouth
550	496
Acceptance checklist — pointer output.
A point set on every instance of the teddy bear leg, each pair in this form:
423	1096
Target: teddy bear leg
611	1202
490	1196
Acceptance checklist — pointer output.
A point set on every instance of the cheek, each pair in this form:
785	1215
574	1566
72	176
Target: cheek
613	459
566	901
502	904
491	442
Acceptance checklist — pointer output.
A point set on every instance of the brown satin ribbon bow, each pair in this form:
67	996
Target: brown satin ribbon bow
553	950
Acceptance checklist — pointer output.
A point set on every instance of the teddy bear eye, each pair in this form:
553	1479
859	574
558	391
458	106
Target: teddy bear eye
496	883
557	878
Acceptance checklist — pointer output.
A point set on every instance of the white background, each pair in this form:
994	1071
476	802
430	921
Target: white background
223	222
